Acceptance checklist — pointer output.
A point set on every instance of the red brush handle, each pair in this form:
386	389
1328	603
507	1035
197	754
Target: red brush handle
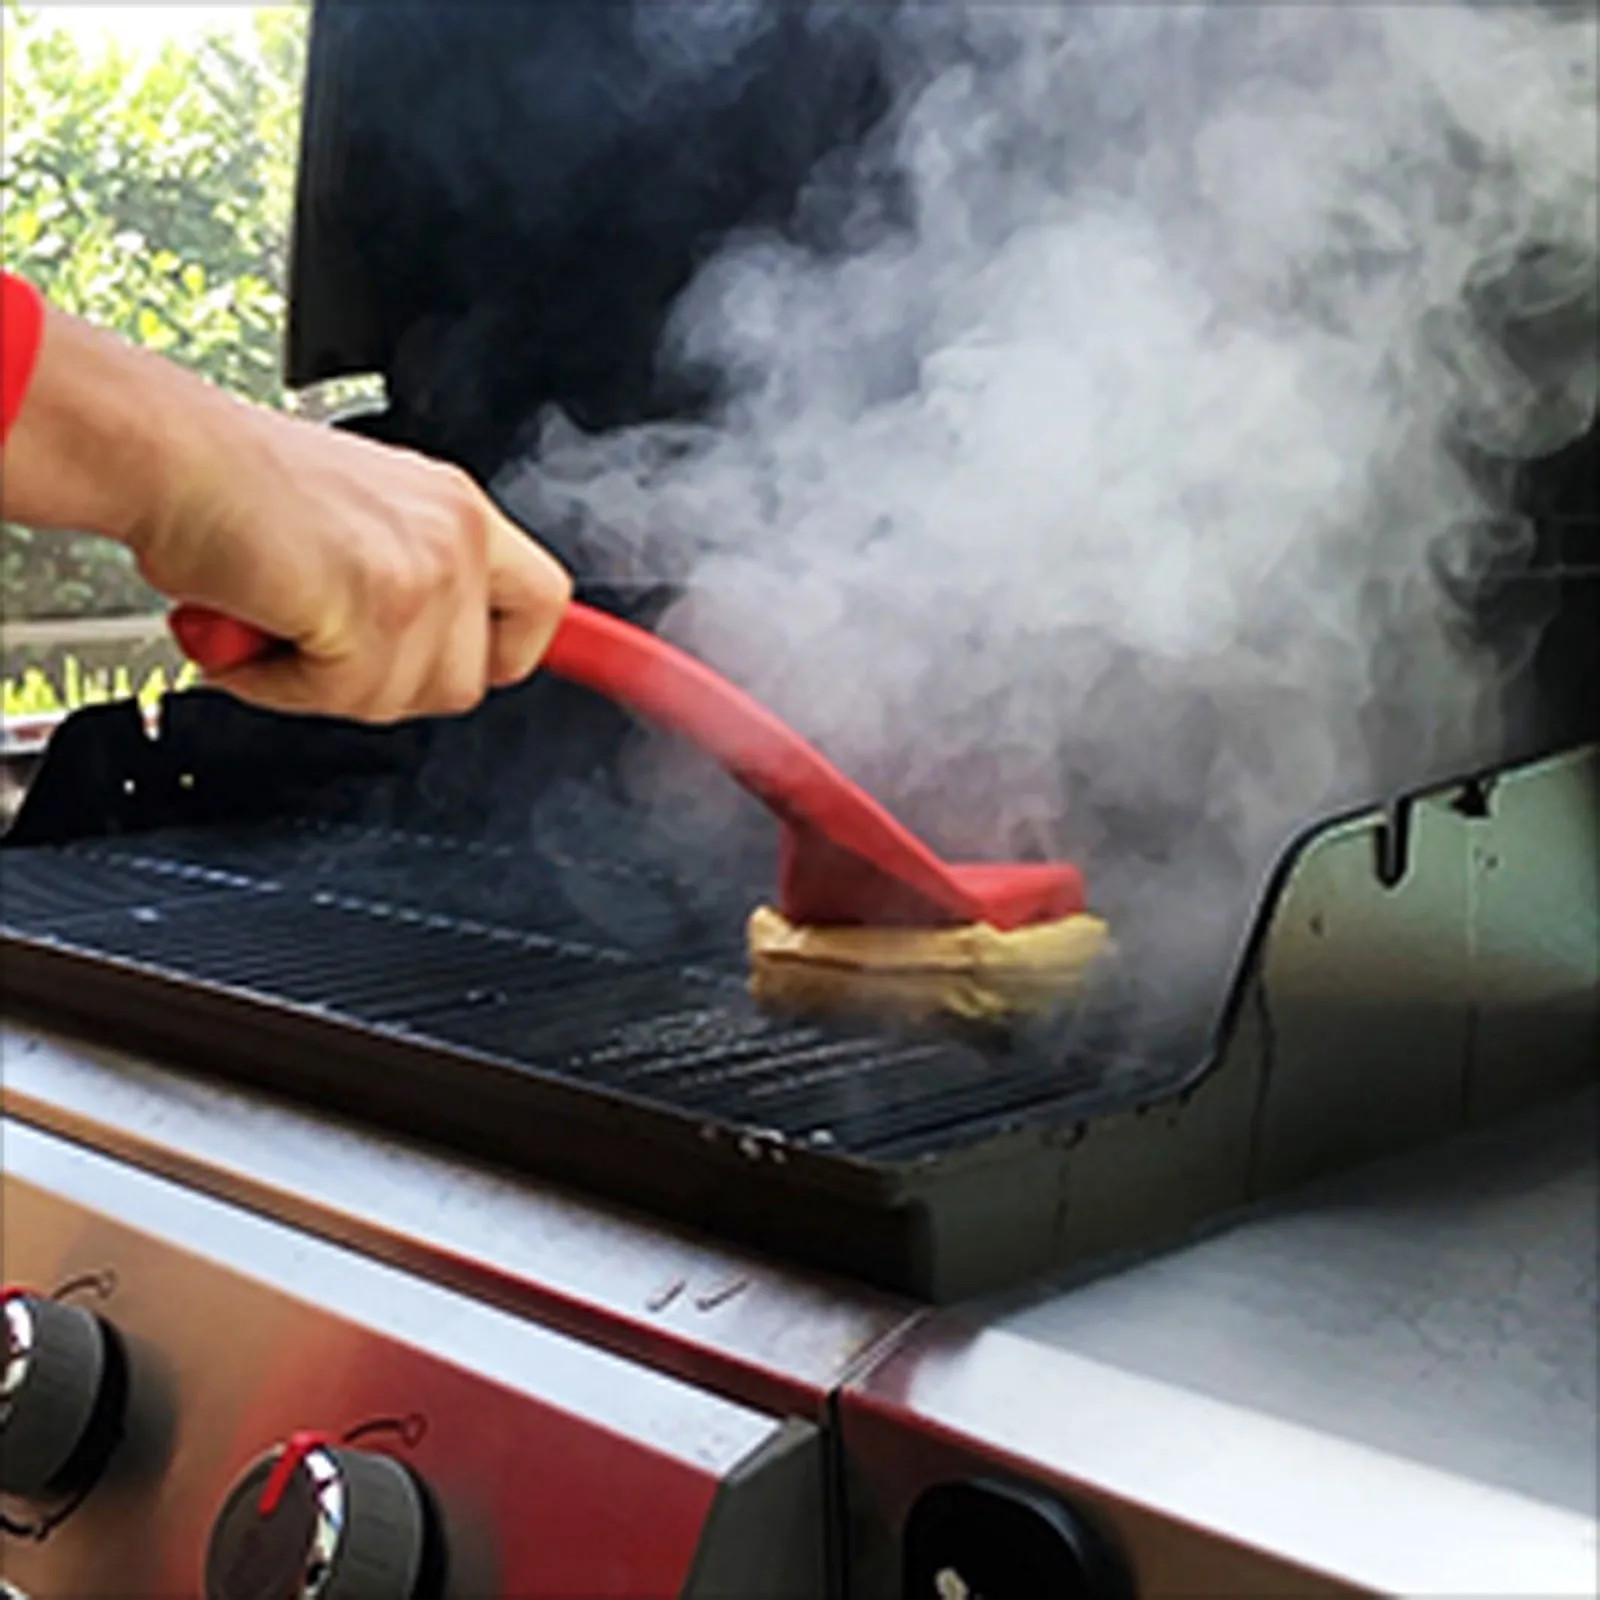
634	668
217	644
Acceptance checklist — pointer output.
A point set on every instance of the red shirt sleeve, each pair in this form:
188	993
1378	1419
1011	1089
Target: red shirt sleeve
21	322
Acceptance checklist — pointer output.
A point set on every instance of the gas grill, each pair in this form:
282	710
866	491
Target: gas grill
394	1096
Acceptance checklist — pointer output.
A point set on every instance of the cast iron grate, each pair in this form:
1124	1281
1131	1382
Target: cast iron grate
591	966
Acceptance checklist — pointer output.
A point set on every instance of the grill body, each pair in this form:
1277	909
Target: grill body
593	1402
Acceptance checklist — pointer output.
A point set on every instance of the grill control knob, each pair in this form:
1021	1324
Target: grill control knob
1004	1542
63	1391
314	1520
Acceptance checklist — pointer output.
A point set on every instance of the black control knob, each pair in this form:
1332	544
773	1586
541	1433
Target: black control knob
319	1521
63	1391
996	1541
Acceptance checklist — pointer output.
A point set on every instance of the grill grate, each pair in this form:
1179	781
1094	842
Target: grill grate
591	965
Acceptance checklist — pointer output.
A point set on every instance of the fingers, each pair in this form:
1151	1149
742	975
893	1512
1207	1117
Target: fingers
403	591
478	629
528	594
424	674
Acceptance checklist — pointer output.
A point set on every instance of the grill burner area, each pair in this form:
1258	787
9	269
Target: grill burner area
562	991
490	951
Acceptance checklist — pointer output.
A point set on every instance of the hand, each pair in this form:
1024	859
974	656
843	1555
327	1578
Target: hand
404	592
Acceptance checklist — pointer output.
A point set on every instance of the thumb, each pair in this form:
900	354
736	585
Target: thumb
528	595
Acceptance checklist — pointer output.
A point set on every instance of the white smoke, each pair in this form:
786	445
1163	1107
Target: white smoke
1092	502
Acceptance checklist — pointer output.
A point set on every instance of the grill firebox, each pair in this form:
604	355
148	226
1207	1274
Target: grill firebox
339	917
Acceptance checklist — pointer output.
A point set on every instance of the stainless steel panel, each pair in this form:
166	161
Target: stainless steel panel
1388	1388
1441	1308
560	1470
1206	1498
724	1318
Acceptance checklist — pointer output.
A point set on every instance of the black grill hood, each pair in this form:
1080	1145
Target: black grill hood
499	201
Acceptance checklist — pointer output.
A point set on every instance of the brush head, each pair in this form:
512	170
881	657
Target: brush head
974	974
821	885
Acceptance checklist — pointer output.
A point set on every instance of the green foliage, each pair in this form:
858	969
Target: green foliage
150	194
48	574
153	195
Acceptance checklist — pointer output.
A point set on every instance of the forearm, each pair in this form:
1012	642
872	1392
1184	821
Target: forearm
398	588
100	434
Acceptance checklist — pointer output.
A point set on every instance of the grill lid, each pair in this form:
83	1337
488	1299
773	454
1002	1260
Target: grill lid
497	203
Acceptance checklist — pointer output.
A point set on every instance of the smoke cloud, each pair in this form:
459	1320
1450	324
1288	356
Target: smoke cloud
1104	458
